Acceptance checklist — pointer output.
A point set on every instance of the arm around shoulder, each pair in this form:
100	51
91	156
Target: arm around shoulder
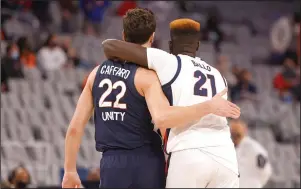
131	52
163	114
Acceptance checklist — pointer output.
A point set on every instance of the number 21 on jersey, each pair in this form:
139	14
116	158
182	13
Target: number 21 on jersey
116	104
199	90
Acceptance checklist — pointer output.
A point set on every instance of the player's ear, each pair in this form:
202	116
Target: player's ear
152	38
123	37
197	48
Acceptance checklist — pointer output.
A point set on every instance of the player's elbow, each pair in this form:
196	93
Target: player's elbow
74	132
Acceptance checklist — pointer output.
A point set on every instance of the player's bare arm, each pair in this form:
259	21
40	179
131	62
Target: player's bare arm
81	116
166	116
122	50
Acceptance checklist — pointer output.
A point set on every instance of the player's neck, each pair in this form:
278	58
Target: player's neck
146	45
185	53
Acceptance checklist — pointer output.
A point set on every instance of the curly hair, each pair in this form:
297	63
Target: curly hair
138	25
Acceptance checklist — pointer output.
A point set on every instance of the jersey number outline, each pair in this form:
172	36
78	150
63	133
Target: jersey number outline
116	104
198	90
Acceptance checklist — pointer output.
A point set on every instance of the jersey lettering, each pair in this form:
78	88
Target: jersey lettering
198	90
201	65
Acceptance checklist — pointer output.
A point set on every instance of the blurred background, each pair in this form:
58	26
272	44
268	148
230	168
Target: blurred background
49	47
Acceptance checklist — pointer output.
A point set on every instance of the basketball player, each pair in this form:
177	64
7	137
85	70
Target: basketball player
253	161
203	154
126	99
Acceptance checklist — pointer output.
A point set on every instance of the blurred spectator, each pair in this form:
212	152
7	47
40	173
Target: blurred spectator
51	56
125	6
251	26
11	62
13	28
68	10
89	29
26	4
17	4
223	65
183	5
94	11
288	81
28	57
2	35
244	89
160	10
236	71
254	166
296	37
11	5
73	59
18	178
4	79
297	20
212	31
299	45
41	10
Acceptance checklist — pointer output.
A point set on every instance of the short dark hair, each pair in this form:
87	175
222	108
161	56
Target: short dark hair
13	174
138	25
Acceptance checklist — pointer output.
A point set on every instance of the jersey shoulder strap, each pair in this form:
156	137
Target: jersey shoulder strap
176	74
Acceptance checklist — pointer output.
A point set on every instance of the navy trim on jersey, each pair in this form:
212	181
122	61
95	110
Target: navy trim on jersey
132	86
168	93
177	72
94	83
225	82
167	164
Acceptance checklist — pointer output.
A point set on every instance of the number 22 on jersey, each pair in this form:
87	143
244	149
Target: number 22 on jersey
116	104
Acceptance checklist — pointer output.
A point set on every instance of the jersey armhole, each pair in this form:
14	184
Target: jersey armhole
168	91
95	79
132	87
176	74
225	81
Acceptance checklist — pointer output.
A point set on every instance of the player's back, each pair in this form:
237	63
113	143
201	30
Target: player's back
198	82
122	119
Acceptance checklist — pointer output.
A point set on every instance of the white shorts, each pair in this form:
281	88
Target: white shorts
194	169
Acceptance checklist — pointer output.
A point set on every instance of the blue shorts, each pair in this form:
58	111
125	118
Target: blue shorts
138	168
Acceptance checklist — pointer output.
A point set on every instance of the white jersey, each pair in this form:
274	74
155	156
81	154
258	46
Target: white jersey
191	81
255	169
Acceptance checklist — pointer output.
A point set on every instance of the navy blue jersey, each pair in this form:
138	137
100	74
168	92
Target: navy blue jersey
122	119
